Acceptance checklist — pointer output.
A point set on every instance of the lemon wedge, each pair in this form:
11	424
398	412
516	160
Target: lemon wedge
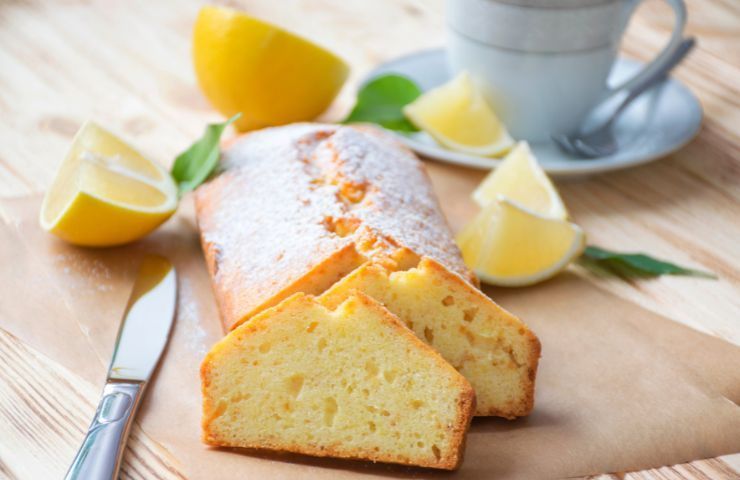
520	178
271	76
510	245
106	193
458	117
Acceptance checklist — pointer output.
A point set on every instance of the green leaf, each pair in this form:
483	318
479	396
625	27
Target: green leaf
382	100
632	265
193	166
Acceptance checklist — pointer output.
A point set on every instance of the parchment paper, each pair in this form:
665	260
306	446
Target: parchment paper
619	388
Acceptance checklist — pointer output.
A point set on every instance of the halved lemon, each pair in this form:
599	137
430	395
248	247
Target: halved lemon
520	178
459	118
271	76
106	193
510	245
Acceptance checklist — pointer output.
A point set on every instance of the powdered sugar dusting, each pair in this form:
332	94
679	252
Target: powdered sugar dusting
188	317
292	197
87	271
400	202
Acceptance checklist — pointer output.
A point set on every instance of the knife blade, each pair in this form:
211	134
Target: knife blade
147	322
142	337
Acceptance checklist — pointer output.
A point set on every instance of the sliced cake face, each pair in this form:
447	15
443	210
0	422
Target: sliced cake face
352	382
494	350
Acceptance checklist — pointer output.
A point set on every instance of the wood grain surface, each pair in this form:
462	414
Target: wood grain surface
44	414
127	64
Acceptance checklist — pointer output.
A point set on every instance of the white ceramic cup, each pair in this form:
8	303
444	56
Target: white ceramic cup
543	64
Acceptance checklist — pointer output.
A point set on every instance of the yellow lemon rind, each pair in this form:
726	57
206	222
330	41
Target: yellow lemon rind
495	150
130	224
525	281
87	219
475	254
270	75
459	100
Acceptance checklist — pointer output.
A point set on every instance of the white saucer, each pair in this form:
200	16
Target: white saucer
657	123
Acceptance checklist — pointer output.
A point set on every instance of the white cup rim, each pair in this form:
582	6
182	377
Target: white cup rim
555	4
537	30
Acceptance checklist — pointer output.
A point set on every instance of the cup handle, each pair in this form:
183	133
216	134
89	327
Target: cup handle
679	8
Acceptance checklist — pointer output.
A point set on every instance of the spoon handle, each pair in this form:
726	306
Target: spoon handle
683	49
648	82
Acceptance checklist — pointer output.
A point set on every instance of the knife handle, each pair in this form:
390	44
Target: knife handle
99	457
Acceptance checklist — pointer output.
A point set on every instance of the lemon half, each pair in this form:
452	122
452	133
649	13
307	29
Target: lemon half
271	76
106	193
459	118
511	245
520	178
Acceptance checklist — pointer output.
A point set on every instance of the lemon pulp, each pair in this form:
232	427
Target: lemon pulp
106	193
511	245
459	118
520	178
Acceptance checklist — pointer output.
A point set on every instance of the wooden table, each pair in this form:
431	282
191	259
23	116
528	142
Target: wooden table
127	64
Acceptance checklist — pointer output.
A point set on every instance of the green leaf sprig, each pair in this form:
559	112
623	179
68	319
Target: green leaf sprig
382	100
193	166
632	265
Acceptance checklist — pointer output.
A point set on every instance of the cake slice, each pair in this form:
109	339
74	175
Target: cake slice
349	382
490	347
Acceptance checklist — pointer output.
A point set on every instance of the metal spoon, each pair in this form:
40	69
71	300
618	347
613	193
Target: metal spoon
600	141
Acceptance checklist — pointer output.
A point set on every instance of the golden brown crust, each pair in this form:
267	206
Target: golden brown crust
292	197
450	463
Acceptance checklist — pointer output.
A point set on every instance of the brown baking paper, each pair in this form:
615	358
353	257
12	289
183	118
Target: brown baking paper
619	388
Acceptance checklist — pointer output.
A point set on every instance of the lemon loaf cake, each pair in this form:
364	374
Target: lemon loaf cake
492	348
350	382
298	207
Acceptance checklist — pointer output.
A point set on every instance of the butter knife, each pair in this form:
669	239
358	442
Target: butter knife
142	336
